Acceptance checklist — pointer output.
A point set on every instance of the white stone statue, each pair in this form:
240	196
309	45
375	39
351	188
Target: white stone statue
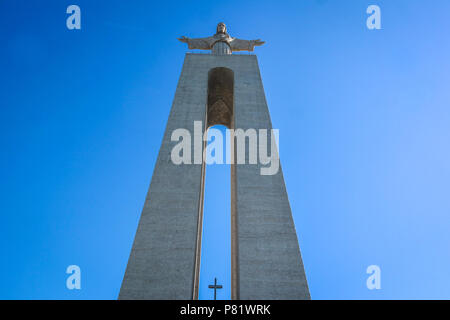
217	41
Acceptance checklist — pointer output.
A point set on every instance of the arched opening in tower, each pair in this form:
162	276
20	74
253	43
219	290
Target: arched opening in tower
220	97
216	235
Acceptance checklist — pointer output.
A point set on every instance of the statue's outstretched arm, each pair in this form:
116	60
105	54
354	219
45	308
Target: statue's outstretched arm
245	45
199	43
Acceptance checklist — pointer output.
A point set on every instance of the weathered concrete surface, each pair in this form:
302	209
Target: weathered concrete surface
266	261
269	260
162	259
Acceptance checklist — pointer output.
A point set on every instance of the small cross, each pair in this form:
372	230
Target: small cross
215	287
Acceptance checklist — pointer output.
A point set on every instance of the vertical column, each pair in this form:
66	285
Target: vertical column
269	261
162	263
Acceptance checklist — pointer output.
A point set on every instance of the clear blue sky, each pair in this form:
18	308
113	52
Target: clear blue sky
364	120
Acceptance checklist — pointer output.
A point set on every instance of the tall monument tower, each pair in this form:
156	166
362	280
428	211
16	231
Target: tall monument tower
216	88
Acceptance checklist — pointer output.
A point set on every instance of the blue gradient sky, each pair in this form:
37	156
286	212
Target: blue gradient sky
364	124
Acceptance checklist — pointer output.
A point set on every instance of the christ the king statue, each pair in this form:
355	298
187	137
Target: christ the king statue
221	42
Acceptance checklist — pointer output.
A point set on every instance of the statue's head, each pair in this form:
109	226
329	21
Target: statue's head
221	28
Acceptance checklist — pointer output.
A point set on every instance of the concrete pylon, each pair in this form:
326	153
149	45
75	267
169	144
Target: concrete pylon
165	258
